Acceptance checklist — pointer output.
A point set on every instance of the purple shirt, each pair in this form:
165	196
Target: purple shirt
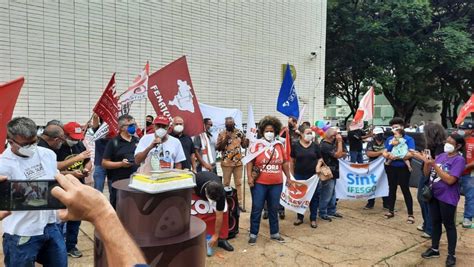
449	194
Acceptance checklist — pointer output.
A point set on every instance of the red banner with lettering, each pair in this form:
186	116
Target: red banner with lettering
171	93
107	107
203	210
8	95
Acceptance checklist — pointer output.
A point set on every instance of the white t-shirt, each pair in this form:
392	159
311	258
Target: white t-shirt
42	165
169	152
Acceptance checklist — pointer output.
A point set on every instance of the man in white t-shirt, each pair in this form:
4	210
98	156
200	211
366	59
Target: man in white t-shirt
161	145
30	235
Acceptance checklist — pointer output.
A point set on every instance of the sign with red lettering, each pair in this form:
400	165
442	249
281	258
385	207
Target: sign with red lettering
205	211
171	93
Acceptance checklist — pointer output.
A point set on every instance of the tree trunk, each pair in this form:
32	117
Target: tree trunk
444	113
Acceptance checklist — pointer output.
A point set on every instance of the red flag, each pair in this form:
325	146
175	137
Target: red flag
465	110
285	131
8	95
107	107
171	93
366	107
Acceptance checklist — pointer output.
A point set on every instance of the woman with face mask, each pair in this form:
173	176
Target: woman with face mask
304	157
444	173
266	177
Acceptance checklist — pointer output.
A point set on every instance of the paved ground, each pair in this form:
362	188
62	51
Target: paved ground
361	238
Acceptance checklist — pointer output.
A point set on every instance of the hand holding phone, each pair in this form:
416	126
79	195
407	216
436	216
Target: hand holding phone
427	153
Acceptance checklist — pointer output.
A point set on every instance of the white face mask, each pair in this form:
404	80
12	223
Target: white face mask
28	151
178	129
269	136
461	133
161	132
448	148
71	142
308	137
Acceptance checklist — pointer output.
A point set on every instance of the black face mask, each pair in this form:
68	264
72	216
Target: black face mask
148	123
229	128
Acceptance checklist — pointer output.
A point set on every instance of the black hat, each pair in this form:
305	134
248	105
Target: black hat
467	125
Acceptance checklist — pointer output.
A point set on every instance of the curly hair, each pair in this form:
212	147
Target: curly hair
272	121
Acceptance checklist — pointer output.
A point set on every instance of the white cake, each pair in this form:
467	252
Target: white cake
158	182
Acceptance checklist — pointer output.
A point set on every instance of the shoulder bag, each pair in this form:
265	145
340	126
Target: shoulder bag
256	171
324	172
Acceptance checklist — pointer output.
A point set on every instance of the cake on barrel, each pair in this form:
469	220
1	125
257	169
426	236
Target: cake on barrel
162	181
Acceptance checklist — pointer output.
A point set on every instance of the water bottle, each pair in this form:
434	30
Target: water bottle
210	251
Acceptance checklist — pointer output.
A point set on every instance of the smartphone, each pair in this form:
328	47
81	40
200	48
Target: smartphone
28	195
427	152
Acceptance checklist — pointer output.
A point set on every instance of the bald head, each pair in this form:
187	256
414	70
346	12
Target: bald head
178	120
53	135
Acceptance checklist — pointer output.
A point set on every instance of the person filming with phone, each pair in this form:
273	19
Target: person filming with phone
118	158
29	236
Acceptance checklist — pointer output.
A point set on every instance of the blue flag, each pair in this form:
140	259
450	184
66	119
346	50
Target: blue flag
287	99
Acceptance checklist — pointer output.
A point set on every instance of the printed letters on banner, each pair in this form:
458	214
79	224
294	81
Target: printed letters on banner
296	196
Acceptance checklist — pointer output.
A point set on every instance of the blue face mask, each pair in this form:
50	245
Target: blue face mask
132	129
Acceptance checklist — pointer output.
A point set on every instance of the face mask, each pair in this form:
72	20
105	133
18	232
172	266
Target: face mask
178	129
461	133
131	129
28	151
161	132
148	123
71	143
379	137
308	137
269	136
448	148
229	128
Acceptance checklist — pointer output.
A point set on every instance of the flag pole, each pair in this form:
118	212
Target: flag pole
245	175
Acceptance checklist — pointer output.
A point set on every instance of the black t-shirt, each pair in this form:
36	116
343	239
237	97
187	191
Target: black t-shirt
118	149
44	144
355	140
306	159
188	148
202	179
100	145
328	151
66	152
373	146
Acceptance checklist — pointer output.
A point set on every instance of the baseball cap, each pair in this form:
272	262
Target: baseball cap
467	125
74	130
378	130
163	120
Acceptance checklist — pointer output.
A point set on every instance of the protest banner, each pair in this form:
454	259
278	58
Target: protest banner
8	95
171	93
138	90
206	211
297	195
362	181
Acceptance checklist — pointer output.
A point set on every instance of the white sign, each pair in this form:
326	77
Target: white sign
297	195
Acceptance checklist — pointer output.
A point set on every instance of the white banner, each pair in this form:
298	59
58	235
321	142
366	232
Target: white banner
362	181
101	132
251	127
296	196
218	115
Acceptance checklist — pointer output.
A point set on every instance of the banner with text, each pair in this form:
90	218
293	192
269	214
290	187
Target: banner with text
362	181
206	211
297	195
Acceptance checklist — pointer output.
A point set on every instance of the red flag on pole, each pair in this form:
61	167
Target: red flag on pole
171	93
465	110
107	107
8	95
366	107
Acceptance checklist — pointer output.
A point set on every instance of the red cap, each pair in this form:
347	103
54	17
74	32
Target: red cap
73	130
163	120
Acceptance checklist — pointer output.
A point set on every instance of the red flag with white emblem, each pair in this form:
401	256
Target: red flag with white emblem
107	107
8	95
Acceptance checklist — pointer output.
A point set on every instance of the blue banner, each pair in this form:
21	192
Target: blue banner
287	99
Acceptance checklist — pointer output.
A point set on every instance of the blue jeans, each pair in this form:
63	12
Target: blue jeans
313	204
72	231
327	198
467	184
425	207
356	157
260	194
99	177
47	249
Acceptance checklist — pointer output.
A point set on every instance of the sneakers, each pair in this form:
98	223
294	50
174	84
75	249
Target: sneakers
466	223
326	218
451	260
420	228
252	241
74	253
336	215
278	238
430	253
425	235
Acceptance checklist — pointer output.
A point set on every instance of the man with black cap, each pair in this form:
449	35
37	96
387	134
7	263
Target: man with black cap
467	179
209	187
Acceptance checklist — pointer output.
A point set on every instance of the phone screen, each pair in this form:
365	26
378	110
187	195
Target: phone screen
28	195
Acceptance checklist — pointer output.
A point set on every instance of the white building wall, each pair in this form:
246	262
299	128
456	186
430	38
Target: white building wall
68	50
